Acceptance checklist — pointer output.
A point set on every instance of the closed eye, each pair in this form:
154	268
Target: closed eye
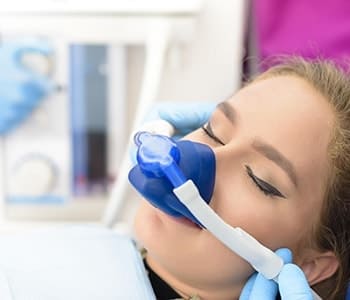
209	132
262	185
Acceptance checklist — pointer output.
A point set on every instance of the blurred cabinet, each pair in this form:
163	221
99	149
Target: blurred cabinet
156	25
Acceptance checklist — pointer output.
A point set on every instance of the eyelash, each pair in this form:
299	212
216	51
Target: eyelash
265	187
262	185
209	132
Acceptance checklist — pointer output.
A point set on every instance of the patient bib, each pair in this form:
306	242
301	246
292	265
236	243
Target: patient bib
72	263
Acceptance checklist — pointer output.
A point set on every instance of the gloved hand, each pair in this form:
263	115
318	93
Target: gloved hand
185	117
21	88
292	283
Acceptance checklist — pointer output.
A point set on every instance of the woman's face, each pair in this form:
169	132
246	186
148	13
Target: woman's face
270	141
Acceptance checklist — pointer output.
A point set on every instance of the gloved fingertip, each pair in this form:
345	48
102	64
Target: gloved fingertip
209	106
245	293
293	283
34	45
285	254
264	288
7	125
154	113
47	84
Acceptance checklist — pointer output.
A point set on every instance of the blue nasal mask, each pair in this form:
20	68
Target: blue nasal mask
159	155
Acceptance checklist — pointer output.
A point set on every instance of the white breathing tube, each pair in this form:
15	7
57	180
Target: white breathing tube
261	258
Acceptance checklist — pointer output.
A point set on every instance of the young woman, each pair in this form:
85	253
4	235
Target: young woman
282	147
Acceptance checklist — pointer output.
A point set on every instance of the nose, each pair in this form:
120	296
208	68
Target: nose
233	151
229	161
196	162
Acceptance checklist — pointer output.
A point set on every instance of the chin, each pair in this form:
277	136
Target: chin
162	235
182	248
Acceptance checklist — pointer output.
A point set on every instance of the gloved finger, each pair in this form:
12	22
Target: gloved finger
9	119
25	93
10	93
167	107
263	289
247	289
293	283
32	45
285	254
36	90
43	83
187	115
5	127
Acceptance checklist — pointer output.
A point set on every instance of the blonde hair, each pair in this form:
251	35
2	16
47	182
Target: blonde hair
333	231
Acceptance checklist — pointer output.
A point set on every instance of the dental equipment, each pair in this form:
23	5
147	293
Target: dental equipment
163	171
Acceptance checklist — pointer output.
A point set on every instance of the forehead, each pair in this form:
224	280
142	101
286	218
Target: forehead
288	113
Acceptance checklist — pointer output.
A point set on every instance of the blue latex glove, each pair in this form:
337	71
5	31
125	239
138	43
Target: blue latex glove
21	88
292	283
185	117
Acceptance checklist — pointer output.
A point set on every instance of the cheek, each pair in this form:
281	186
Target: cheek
273	222
144	222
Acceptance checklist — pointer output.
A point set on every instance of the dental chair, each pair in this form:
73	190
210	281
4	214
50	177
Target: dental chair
71	263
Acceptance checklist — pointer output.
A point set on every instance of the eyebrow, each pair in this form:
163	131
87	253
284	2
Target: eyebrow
277	157
263	148
228	111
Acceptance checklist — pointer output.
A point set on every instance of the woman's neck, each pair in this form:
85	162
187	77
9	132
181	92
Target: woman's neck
187	291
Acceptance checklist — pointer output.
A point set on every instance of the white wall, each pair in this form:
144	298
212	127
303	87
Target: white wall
211	65
209	68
